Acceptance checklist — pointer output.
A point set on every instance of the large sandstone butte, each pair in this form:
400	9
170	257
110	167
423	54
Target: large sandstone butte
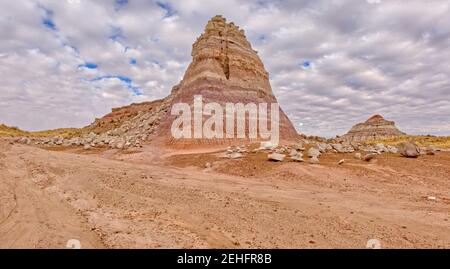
376	127
225	69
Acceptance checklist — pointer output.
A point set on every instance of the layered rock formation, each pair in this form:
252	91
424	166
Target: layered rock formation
376	127
225	69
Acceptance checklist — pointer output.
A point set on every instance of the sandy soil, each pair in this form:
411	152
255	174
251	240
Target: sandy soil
156	198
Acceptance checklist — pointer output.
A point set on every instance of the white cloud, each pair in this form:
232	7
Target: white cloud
365	57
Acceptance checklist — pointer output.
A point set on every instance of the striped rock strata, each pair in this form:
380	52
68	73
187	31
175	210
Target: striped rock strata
376	127
225	69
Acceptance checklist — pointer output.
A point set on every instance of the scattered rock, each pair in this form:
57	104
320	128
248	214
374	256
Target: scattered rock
341	162
358	155
369	157
87	147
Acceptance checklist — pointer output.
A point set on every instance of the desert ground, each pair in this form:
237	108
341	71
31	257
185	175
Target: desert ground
160	198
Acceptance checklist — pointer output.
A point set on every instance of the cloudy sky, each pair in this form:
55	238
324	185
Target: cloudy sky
331	63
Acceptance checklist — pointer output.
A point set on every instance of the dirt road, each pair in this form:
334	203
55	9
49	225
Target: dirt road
48	198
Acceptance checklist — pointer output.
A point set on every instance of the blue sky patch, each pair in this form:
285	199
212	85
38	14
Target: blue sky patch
48	23
88	66
119	4
167	8
47	17
128	82
116	33
306	64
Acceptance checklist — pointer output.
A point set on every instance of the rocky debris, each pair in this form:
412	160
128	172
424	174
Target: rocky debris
130	125
235	155
293	152
314	160
24	140
281	150
369	157
313	152
276	157
380	148
376	127
295	155
408	149
341	162
120	145
236	152
355	145
87	147
430	150
391	149
267	145
358	155
298	147
323	147
208	165
297	158
344	147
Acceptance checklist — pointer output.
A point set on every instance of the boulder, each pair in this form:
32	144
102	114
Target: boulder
313	152
314	160
323	147
338	147
267	145
341	162
297	158
293	152
391	149
276	157
430	150
235	155
358	155
298	147
408	149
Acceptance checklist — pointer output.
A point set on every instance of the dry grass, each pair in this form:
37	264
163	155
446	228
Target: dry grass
438	141
11	131
16	132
